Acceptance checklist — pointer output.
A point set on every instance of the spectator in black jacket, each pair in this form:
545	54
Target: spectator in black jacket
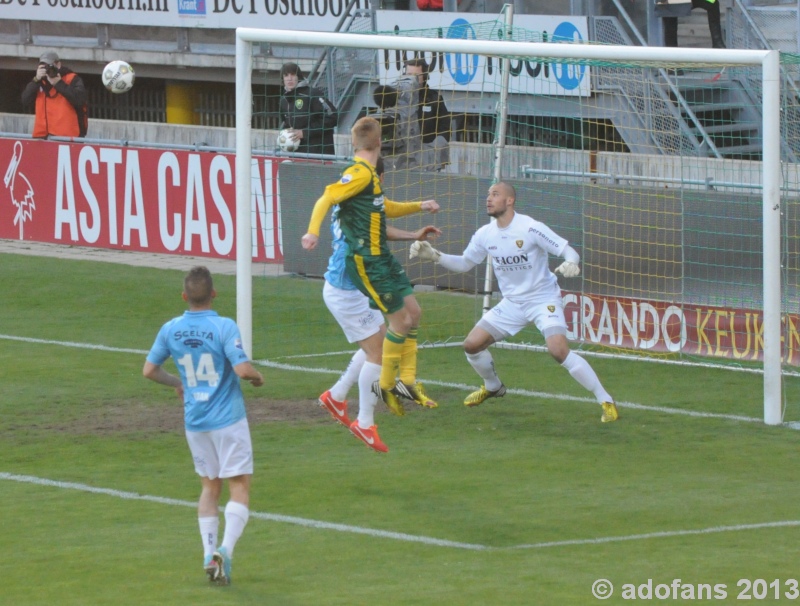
670	11
434	118
307	112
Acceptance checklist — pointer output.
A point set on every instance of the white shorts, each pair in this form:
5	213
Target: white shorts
222	453
509	318
352	312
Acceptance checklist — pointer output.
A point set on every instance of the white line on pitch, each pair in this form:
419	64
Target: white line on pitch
461	386
659	535
534	394
399	536
271	517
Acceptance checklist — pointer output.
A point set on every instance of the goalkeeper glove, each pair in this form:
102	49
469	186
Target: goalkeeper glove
568	270
424	251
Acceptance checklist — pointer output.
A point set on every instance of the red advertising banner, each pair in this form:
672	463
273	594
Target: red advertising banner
700	330
151	200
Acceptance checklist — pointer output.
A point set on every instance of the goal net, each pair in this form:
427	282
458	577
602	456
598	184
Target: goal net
662	167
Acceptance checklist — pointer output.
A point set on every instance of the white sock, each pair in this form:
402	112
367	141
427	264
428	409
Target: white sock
209	527
585	375
483	363
366	399
236	516
350	376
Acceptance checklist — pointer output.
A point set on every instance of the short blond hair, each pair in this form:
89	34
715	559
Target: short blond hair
366	134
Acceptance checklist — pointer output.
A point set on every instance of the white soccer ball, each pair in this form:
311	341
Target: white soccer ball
287	142
118	77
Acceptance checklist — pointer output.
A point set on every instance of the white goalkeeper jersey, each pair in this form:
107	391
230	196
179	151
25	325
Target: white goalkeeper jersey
519	257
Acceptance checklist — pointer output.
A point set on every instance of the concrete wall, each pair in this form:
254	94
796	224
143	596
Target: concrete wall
669	245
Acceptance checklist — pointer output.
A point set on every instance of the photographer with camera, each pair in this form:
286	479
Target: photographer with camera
59	99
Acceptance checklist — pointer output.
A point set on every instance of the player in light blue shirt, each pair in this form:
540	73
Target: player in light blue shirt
207	349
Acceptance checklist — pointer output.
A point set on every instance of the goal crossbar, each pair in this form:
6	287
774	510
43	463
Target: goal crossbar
771	165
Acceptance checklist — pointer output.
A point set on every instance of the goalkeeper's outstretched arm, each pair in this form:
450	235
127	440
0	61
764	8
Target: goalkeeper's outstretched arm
426	252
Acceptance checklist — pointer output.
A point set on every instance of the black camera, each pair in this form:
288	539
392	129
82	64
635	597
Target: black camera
51	70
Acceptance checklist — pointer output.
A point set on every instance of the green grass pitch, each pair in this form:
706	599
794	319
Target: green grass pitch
524	500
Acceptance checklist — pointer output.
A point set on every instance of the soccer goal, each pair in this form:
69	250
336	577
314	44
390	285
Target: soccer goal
661	166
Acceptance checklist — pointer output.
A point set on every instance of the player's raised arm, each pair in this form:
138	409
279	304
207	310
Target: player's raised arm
426	252
423	233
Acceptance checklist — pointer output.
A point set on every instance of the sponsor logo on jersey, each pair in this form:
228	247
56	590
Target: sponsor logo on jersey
520	243
298	103
513	259
511	263
196	335
378	201
346	179
193	343
492	248
536	232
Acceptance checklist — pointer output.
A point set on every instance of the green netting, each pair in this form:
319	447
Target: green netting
653	173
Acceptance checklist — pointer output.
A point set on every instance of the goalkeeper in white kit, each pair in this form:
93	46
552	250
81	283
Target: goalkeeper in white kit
519	247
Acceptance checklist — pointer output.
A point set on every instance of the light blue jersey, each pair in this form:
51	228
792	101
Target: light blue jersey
205	348
337	274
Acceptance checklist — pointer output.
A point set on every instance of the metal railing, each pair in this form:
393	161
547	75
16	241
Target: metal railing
667	128
743	32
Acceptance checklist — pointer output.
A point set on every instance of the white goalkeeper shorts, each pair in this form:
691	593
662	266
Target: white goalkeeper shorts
510	318
352	312
222	453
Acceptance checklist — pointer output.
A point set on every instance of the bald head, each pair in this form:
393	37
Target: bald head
500	200
509	191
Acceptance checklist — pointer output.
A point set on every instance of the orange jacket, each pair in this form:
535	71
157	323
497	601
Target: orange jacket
55	115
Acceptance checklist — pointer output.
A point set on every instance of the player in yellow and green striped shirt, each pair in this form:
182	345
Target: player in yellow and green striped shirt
363	210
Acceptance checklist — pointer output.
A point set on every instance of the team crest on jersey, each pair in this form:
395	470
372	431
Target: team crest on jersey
298	103
238	344
387	298
551	308
346	179
520	243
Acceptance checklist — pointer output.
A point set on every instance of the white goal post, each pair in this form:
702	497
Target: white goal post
771	165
